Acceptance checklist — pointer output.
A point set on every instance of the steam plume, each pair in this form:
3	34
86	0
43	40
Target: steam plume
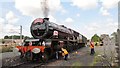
45	8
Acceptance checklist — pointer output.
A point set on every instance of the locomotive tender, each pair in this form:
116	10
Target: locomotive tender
48	39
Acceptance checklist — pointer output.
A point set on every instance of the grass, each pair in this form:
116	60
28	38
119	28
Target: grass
96	60
76	65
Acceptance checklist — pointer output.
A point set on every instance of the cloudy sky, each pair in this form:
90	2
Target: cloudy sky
88	17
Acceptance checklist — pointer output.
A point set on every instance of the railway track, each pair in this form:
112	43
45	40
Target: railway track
24	64
28	65
32	64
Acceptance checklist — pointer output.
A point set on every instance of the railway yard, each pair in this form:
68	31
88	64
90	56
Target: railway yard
59	33
104	56
52	42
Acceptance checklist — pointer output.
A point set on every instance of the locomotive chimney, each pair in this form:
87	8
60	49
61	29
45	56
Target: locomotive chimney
46	19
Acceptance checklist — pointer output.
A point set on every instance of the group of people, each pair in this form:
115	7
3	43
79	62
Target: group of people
62	52
65	53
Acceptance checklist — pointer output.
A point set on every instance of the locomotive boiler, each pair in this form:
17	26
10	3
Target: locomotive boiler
44	29
48	39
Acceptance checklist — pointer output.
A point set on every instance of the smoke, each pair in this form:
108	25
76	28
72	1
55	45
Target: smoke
45	8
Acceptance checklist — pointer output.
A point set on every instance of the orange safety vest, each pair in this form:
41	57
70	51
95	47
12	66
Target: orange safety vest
91	45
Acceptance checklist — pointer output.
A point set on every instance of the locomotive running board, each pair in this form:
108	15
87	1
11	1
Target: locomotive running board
63	40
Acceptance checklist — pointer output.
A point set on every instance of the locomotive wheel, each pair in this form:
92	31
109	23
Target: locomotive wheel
28	56
44	58
21	54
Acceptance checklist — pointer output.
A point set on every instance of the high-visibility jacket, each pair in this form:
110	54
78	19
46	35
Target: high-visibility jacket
91	45
64	51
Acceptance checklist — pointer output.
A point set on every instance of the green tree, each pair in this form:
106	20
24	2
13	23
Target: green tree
15	37
26	37
6	37
95	38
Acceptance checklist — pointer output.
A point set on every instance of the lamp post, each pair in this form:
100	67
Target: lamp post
12	39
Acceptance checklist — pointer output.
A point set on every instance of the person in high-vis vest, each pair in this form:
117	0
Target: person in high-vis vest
64	53
92	48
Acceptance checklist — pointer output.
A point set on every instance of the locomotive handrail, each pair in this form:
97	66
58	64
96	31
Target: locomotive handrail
32	40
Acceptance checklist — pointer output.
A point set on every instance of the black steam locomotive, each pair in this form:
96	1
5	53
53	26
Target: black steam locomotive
48	39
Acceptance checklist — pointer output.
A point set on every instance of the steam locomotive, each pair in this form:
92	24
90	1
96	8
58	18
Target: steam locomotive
48	39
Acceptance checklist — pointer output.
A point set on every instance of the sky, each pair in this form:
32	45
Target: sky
88	17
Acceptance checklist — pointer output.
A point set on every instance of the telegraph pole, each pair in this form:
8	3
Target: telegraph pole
21	33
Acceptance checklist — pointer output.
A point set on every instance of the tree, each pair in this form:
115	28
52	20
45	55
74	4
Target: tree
26	37
6	37
95	38
114	34
15	37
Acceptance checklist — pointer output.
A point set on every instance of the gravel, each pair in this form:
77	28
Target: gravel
10	59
